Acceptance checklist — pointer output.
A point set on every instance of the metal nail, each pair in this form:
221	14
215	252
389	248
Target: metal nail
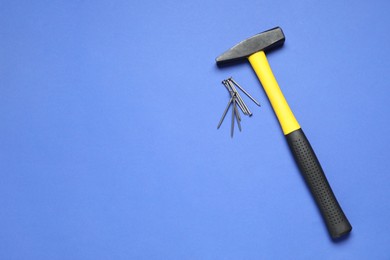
233	93
240	98
242	109
237	115
232	127
225	112
243	90
236	110
227	86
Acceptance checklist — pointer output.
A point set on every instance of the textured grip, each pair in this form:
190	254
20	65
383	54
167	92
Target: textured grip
334	217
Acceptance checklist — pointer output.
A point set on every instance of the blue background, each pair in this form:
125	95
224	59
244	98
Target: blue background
108	139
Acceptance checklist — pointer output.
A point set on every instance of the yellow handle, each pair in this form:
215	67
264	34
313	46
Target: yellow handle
282	110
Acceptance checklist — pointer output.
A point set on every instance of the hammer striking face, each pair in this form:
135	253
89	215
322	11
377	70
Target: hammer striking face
253	48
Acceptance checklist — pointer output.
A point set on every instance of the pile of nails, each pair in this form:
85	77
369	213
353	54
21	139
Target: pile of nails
236	100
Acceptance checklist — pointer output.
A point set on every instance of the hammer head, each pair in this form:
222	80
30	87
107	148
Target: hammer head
260	42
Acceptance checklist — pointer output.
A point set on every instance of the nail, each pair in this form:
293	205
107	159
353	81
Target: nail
248	112
236	110
246	109
237	116
243	90
232	127
224	113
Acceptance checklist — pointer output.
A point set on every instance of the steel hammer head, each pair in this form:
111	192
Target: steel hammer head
260	42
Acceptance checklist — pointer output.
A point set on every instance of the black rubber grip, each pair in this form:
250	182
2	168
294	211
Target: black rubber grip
335	219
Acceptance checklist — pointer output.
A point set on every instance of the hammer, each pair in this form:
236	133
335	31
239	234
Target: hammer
253	49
